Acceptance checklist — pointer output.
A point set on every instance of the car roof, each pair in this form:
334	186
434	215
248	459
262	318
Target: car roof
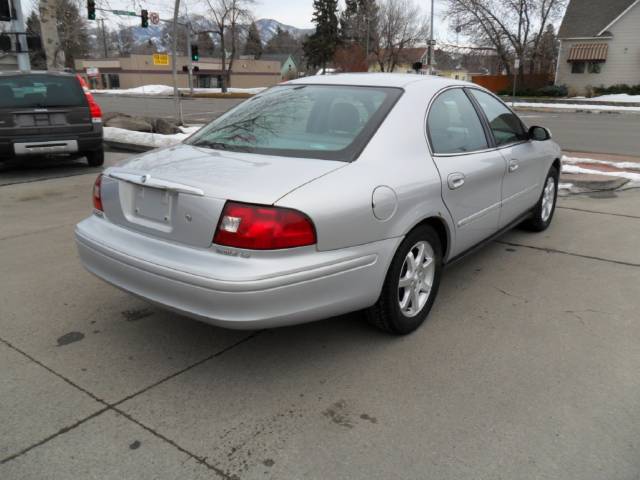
398	80
35	72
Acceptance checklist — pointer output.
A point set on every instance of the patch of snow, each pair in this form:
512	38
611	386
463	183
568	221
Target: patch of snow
593	161
154	140
633	177
620	97
577	106
167	90
565	186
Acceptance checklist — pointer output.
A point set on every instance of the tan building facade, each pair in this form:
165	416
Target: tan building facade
138	70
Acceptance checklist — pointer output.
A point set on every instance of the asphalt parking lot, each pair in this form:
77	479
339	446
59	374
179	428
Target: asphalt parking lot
529	366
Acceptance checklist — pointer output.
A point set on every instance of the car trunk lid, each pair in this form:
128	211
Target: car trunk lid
178	193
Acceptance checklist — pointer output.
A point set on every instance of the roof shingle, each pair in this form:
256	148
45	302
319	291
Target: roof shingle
586	18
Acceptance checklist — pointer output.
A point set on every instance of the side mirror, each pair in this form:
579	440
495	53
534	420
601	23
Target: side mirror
539	134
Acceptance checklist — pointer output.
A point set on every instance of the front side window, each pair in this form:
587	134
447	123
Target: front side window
329	122
453	124
505	125
578	67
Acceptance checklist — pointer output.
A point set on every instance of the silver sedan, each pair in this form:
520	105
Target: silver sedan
321	196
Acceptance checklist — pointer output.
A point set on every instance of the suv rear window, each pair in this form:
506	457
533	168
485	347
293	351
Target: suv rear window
38	91
311	121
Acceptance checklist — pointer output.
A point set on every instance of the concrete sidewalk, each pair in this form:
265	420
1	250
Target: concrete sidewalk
529	366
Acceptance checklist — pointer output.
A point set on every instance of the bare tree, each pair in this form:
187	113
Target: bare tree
401	25
513	27
229	16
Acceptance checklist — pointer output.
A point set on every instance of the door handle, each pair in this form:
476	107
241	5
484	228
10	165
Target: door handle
455	180
513	165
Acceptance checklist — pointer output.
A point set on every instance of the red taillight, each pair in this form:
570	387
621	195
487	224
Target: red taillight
97	194
94	108
259	227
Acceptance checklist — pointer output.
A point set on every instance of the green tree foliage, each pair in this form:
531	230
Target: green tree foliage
320	47
253	45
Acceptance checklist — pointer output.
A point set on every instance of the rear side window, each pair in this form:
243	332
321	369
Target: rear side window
505	125
454	125
39	91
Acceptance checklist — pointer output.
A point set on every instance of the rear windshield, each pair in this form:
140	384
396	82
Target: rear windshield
37	91
311	121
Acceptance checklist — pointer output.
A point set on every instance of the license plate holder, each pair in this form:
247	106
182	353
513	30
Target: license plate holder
153	204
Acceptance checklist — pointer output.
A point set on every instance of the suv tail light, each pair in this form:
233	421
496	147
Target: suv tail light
97	195
94	108
258	227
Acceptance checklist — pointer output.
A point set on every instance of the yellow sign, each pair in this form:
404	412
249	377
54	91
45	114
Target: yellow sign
160	59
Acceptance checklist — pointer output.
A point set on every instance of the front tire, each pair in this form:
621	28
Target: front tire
546	206
411	285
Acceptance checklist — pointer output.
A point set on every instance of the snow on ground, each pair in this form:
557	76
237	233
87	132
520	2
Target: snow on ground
155	140
576	106
620	97
166	90
593	161
633	177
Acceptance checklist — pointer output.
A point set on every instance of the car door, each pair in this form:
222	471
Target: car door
471	171
522	185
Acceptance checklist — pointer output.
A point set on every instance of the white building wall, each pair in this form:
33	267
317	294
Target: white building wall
623	59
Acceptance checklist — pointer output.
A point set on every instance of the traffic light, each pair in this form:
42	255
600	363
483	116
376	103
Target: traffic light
5	11
144	18
91	9
194	53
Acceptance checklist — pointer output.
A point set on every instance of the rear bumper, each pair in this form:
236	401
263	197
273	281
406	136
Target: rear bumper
286	288
85	141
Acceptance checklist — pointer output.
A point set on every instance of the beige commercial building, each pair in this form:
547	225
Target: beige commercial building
137	70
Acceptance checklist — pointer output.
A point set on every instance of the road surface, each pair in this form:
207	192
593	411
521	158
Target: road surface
528	367
580	132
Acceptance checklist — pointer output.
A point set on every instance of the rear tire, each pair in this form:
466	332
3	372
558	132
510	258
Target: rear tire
546	206
401	309
95	158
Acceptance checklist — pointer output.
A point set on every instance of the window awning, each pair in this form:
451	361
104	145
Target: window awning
588	52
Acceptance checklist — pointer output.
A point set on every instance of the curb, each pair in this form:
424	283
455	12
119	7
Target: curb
127	147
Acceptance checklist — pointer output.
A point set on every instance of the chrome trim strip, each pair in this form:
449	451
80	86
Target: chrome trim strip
148	181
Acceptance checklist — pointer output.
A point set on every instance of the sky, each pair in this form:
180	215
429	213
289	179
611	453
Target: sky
290	12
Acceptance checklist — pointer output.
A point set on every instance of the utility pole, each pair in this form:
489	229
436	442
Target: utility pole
24	65
431	40
189	58
104	38
174	60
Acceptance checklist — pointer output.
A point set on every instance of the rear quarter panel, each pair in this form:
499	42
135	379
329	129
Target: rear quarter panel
340	203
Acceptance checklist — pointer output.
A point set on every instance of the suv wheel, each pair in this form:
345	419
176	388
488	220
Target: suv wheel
411	285
95	158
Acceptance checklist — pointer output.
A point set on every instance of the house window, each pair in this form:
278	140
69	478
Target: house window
595	67
578	67
114	80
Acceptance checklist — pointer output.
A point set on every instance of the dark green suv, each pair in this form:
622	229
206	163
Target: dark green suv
48	113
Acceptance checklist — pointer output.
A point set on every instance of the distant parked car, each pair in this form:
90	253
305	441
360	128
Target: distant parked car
319	197
45	113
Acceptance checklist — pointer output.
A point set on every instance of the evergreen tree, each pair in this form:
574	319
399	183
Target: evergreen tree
36	53
320	47
282	42
253	45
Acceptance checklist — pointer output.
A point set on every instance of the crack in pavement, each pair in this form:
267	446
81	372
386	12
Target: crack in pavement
600	213
564	252
114	406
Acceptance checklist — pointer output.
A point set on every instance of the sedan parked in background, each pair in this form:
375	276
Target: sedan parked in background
319	197
48	113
